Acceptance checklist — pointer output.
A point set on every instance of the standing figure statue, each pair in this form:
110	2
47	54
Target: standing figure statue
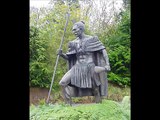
88	65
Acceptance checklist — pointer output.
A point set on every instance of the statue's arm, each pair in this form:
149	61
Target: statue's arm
63	55
105	56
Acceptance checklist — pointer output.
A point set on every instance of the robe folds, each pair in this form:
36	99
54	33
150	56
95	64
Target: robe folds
82	76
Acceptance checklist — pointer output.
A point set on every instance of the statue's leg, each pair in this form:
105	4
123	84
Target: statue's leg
96	89
96	93
64	83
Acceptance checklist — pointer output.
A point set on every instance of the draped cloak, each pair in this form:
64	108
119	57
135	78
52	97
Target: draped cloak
91	44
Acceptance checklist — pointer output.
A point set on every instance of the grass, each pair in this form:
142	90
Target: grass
117	93
107	110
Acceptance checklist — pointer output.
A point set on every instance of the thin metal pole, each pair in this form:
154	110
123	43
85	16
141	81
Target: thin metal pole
55	67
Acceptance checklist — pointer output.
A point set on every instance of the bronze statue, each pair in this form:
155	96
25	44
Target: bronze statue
88	65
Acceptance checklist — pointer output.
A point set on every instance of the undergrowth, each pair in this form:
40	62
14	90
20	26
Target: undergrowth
107	110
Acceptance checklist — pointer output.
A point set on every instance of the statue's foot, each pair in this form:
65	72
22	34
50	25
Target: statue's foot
98	99
97	95
68	101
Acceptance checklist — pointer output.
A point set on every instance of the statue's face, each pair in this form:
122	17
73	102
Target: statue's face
77	31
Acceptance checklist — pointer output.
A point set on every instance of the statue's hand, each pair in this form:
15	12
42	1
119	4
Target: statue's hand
107	68
59	52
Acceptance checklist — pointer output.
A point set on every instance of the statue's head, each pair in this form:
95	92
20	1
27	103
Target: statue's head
78	28
80	25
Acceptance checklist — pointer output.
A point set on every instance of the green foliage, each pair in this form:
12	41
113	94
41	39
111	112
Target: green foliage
125	104
107	110
120	64
39	72
118	43
46	30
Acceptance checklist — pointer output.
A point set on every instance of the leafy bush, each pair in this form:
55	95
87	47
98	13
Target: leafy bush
107	110
39	70
120	64
118	43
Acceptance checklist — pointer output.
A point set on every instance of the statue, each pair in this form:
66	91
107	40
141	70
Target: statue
88	65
